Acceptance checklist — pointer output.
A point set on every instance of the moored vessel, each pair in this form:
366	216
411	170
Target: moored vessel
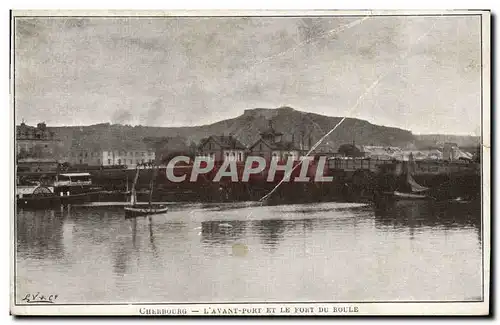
137	209
62	189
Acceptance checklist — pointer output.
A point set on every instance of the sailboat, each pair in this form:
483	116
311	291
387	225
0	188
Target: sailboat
135	209
409	189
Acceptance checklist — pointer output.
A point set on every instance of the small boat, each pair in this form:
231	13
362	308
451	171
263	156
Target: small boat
460	200
409	189
412	196
413	191
136	209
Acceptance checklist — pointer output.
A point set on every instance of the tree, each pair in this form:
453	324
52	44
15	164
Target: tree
350	150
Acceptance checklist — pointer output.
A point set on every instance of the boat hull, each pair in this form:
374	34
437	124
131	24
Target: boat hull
54	200
136	211
406	196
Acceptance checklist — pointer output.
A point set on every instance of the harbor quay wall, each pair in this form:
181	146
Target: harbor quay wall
346	184
226	188
315	180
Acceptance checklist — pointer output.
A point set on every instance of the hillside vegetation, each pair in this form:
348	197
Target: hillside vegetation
301	127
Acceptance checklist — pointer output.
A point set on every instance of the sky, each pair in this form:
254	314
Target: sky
417	73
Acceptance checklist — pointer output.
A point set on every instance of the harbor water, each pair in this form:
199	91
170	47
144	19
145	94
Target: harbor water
246	252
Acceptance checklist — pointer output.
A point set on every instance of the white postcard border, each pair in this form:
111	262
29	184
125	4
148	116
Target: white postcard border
280	309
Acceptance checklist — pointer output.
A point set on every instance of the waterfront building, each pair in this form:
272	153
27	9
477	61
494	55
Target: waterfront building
130	157
221	148
37	143
88	156
272	146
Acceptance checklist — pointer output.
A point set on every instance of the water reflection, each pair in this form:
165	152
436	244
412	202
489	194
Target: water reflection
133	225
270	231
120	259
418	214
329	251
220	232
151	237
40	233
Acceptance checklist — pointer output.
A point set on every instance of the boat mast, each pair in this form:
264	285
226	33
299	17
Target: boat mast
133	196
151	183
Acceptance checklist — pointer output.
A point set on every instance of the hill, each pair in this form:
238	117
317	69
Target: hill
300	127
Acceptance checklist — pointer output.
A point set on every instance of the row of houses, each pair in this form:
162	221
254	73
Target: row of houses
271	146
448	152
129	157
38	150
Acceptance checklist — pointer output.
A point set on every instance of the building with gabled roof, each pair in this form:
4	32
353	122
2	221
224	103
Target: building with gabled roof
221	148
271	145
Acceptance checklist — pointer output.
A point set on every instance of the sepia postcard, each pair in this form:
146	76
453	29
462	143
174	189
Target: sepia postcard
250	163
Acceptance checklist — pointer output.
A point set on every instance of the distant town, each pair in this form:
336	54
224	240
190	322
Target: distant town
40	149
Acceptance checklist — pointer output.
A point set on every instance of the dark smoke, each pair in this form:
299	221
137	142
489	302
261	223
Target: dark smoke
121	116
154	113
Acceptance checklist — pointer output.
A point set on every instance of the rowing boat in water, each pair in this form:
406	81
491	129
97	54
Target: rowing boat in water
138	210
412	196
